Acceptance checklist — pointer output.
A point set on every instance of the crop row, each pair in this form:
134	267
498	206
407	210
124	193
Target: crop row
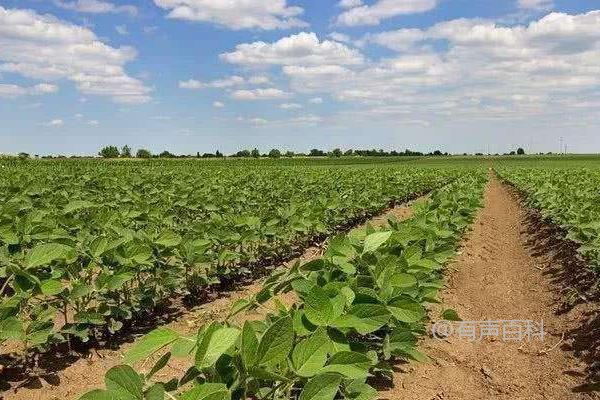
85	247
569	197
360	308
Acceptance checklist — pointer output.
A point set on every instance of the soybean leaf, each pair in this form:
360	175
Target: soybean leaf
321	387
350	364
150	344
407	310
317	307
125	382
375	240
277	342
214	344
207	391
310	355
44	254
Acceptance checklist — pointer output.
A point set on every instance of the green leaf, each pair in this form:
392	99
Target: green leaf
155	392
51	287
125	382
375	241
364	318
450	315
168	239
99	395
277	342
350	364
77	205
317	307
249	345
407	310
214	344
150	344
403	280
321	387
10	328
310	355
44	254
207	391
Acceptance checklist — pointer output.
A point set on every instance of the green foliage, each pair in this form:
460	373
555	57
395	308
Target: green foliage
96	244
143	153
110	152
357	311
568	196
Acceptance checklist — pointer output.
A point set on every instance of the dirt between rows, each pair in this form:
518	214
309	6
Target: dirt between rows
85	374
505	271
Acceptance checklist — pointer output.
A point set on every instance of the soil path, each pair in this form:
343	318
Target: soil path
88	373
498	277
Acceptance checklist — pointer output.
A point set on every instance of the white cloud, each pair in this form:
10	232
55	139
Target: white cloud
93	122
316	100
236	14
340	37
218	104
469	69
349	3
78	115
290	106
122	30
13	91
260	94
55	123
383	9
300	49
44	47
224	83
96	7
535	4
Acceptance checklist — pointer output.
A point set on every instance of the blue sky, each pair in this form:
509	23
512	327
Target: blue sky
200	75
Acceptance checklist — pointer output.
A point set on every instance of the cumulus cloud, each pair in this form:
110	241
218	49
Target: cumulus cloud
316	100
382	9
236	14
46	48
224	83
300	49
55	123
346	4
122	30
469	68
93	122
13	91
260	94
96	7
218	104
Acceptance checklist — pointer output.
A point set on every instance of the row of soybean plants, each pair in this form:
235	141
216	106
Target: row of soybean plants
568	196
359	308
85	246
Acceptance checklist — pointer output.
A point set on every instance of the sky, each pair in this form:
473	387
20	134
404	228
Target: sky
193	76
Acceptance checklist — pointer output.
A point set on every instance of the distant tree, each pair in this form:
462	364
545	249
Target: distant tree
110	152
349	152
23	156
512	153
316	153
243	153
289	154
218	154
437	153
143	153
126	152
520	151
255	153
166	154
274	153
336	153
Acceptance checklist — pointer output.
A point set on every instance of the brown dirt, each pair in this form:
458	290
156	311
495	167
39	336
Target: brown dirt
502	273
88	373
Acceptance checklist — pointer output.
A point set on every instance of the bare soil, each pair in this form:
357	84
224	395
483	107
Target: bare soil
508	269
84	374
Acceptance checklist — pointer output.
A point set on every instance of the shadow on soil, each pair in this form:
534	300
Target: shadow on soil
577	287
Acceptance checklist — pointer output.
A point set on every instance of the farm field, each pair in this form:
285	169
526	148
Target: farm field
89	248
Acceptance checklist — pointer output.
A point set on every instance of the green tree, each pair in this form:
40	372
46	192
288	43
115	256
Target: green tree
110	152
126	151
143	153
336	153
255	153
289	153
274	153
23	156
520	151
